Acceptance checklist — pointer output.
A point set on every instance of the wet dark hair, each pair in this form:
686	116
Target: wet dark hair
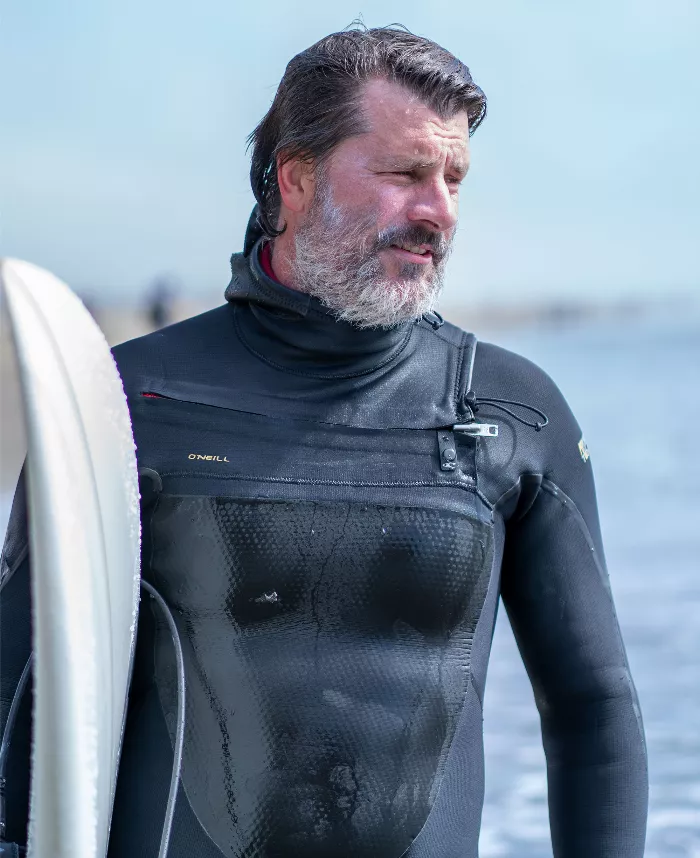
317	104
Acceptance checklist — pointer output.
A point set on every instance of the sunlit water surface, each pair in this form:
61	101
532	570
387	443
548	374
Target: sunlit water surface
636	393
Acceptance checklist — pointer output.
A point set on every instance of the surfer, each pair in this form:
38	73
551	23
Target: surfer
337	486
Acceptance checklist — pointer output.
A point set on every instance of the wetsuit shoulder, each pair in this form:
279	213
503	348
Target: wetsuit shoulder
445	341
445	332
506	374
172	351
522	457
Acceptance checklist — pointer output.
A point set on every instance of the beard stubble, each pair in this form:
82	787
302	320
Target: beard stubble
337	261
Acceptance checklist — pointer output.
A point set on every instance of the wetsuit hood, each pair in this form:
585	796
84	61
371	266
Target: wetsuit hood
294	330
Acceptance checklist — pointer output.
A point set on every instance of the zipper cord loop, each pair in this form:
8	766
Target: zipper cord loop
473	403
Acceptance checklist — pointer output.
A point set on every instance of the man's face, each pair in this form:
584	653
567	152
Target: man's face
375	241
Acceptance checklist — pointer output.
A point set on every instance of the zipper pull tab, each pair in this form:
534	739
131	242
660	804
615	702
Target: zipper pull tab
480	430
448	450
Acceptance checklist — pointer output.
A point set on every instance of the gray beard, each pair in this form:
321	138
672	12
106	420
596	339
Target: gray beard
335	264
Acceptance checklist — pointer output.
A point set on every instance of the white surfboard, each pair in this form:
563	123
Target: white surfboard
84	541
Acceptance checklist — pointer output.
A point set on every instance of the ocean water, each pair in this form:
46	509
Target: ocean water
635	389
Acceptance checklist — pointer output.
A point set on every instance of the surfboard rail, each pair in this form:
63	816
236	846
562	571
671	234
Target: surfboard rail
84	532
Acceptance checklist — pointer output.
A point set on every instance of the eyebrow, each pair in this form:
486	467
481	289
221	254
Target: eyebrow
458	166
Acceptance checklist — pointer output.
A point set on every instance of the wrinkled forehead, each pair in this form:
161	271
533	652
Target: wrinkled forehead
398	123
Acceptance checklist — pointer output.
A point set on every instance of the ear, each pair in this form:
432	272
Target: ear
296	183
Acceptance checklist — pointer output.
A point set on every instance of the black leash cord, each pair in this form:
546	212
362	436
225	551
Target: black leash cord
179	734
180	731
7	738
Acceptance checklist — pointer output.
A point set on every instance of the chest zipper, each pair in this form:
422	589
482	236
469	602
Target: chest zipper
480	430
446	440
446	437
470	427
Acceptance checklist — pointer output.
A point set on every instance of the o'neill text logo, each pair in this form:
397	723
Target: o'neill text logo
201	458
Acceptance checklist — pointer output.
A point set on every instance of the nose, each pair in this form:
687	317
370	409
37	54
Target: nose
434	206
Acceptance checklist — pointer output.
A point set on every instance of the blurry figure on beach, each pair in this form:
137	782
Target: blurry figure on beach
160	301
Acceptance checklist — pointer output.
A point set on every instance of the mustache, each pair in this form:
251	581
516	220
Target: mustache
438	243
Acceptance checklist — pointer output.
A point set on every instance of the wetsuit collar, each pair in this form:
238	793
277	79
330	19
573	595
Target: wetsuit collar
249	282
292	330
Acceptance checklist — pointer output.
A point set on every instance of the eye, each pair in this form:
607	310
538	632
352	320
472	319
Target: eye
406	173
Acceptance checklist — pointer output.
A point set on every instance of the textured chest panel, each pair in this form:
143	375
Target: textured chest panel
327	651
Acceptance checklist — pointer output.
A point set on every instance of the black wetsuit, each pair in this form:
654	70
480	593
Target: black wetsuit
335	586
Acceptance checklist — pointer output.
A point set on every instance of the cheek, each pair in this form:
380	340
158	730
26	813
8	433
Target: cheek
392	204
370	200
350	189
368	197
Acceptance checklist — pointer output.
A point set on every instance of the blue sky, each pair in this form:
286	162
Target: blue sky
122	152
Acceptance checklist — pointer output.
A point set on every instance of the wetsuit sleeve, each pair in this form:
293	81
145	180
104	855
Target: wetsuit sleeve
555	588
15	649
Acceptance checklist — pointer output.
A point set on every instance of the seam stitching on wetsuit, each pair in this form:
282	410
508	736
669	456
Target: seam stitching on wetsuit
392	357
465	704
461	484
553	489
156	396
161	708
458	373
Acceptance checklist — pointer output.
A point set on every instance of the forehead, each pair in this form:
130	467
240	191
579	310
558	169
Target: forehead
400	124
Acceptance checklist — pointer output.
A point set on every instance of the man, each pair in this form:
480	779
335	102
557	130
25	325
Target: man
336	488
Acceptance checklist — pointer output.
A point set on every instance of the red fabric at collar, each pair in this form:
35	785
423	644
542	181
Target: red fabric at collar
266	261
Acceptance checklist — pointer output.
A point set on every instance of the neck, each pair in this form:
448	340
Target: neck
282	259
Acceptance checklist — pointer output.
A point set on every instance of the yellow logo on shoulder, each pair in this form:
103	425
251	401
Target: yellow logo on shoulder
583	450
201	458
